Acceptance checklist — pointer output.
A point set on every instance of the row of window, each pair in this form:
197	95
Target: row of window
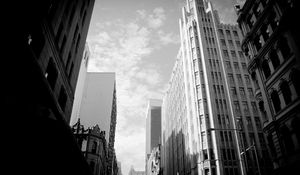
228	33
236	66
242	92
286	93
230	42
275	59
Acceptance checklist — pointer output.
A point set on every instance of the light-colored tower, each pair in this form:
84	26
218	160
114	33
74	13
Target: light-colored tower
80	85
153	126
209	112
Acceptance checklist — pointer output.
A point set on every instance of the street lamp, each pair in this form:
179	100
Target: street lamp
238	147
256	157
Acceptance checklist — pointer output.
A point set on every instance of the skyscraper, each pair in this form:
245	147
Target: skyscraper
211	124
153	125
271	43
99	106
39	92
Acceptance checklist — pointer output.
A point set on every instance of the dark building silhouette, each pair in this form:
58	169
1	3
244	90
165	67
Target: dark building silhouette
271	44
46	47
93	146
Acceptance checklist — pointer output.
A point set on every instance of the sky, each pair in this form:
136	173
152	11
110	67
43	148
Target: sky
139	41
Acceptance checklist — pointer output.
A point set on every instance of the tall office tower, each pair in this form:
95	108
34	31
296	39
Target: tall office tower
153	125
48	43
211	124
80	85
98	106
271	43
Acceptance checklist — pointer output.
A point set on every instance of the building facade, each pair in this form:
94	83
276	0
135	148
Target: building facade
80	85
92	143
48	40
153	125
271	44
211	123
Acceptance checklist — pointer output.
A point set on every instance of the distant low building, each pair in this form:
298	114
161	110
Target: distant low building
153	162
133	172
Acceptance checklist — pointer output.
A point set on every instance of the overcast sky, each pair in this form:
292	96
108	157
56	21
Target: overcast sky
138	39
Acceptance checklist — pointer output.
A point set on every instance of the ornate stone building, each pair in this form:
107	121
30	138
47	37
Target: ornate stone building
271	44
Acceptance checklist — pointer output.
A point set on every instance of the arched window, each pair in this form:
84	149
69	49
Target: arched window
295	80
94	147
287	139
296	128
266	68
284	47
274	59
262	110
286	92
276	101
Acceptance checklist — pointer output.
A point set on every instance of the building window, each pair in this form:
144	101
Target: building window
233	54
249	123
237	106
231	80
245	107
94	147
62	99
257	123
275	101
221	32
235	33
233	91
266	68
77	43
254	108
63	45
287	139
228	33
225	52
274	58
238	44
242	92
239	77
284	48
228	65
247	79
71	71
236	66
286	92
250	91
83	19
241	54
223	42
295	80
51	73
230	43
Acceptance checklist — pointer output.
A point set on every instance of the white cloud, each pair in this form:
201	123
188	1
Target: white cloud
168	38
122	47
157	19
